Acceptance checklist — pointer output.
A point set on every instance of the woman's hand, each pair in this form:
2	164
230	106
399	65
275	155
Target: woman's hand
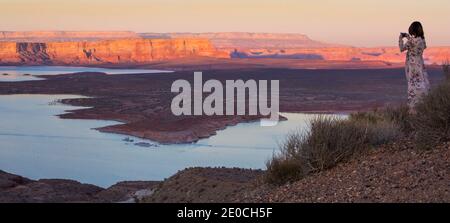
404	46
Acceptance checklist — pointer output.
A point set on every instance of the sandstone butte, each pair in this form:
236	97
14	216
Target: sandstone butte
120	51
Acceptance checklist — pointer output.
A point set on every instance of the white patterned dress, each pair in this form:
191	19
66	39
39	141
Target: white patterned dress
416	74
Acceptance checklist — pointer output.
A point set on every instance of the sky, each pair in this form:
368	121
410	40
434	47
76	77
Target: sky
351	22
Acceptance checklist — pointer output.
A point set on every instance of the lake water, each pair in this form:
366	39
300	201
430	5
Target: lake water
26	73
37	144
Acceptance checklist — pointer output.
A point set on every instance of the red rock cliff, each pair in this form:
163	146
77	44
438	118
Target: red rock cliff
123	51
141	50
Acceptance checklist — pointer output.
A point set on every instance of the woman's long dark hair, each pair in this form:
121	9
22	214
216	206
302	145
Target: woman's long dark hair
416	30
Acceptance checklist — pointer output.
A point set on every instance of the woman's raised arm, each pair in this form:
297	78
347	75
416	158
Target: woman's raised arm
402	45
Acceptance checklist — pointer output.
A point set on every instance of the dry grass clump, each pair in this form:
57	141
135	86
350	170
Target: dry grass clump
431	123
329	141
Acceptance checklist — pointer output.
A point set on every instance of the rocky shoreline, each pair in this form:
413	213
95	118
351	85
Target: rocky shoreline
18	189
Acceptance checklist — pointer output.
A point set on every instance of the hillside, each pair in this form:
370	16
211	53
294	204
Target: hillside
393	173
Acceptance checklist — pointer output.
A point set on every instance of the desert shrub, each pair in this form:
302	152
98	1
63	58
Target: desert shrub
432	119
400	116
289	164
382	132
329	141
369	117
284	169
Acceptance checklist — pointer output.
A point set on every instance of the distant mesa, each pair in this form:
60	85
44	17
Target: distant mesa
281	54
124	47
64	36
299	46
244	40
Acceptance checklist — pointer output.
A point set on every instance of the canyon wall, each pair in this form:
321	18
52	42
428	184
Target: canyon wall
123	51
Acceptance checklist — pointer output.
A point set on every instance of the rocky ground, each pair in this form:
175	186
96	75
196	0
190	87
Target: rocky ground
205	185
17	189
393	173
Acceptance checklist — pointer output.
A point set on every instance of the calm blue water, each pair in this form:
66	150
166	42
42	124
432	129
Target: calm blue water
37	144
26	73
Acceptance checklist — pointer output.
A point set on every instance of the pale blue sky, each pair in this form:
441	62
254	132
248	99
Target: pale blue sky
354	22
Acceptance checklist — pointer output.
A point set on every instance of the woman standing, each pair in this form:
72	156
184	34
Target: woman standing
416	75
